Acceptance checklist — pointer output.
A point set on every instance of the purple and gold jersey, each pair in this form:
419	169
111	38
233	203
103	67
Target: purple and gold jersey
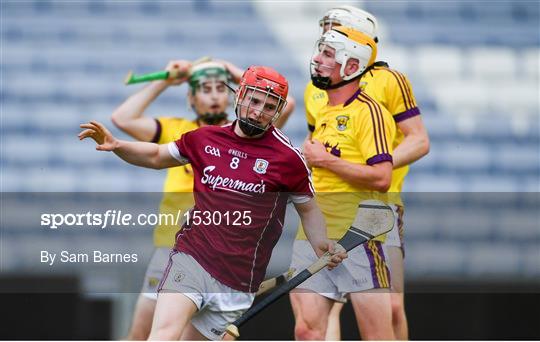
360	131
389	88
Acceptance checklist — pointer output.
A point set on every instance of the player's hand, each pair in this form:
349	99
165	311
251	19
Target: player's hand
100	134
181	66
338	253
236	72
315	153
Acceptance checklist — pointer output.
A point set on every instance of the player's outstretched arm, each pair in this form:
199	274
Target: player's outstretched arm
415	145
376	177
137	153
315	229
129	117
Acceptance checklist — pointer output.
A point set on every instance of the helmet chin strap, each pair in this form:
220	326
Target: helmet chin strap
325	83
249	128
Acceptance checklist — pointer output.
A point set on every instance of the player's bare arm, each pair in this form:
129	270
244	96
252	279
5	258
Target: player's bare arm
315	229
143	154
415	145
129	117
287	111
235	71
375	177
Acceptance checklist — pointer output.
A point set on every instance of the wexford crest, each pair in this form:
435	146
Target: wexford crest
342	121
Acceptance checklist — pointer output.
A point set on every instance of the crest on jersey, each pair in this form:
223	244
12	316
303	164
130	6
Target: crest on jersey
363	86
260	166
179	276
342	122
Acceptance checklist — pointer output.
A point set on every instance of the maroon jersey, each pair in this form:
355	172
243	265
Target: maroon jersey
241	189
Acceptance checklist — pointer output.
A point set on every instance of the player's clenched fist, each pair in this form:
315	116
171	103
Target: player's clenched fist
315	153
338	253
100	134
179	68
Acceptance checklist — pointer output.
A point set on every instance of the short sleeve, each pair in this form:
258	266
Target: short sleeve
179	148
376	132
400	98
157	134
314	100
298	178
173	151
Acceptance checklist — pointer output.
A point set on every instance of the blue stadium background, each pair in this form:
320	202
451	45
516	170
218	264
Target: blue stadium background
474	67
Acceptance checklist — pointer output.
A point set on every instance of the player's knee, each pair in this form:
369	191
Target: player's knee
308	332
398	309
375	335
162	336
381	330
137	335
165	333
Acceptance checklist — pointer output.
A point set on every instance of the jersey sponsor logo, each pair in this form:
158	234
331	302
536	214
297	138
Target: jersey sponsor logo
260	166
226	183
237	153
214	151
342	121
178	277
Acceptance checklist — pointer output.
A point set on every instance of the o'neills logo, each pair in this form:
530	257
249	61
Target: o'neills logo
229	183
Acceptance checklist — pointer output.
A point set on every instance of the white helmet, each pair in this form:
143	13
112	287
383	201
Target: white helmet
347	43
350	16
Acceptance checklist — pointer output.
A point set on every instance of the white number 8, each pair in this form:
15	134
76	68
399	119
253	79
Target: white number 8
234	163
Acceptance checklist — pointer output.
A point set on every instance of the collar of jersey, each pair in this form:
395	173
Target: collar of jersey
231	128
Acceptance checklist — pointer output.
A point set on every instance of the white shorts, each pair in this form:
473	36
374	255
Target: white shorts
395	237
364	269
279	264
218	304
154	272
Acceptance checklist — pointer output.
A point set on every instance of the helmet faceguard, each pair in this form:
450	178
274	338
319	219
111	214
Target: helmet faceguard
343	43
213	74
205	72
260	99
350	16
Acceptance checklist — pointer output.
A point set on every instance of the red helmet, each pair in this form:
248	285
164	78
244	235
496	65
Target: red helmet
265	80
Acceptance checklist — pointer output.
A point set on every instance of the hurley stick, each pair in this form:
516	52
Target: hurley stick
132	78
373	219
